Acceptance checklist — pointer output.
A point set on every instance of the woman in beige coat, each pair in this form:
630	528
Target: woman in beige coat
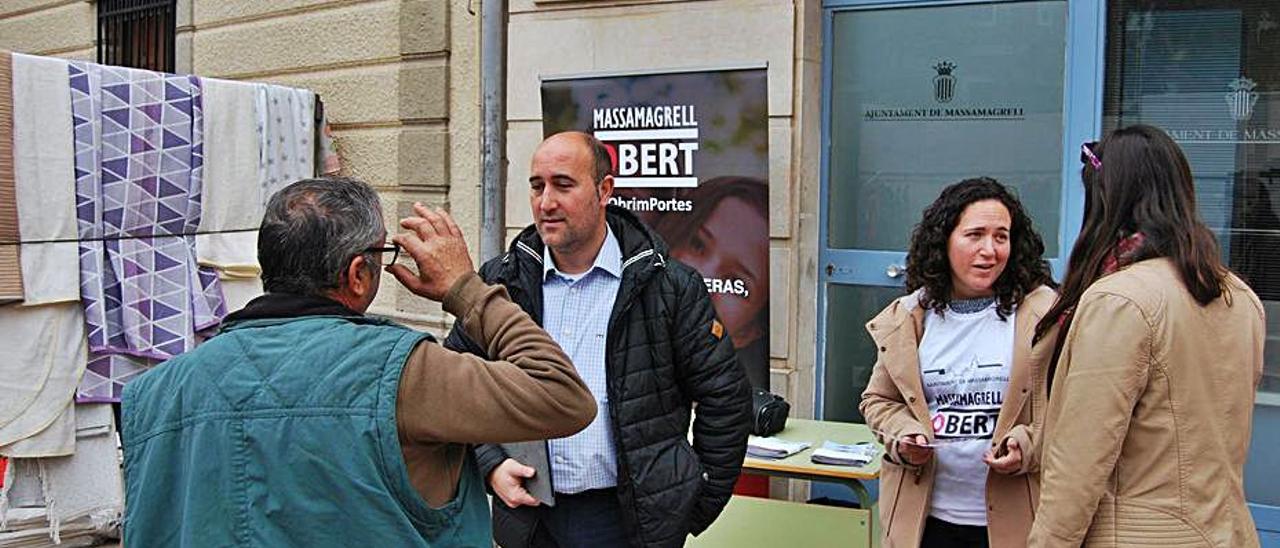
957	391
1152	397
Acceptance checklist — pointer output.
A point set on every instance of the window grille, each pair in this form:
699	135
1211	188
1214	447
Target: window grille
136	33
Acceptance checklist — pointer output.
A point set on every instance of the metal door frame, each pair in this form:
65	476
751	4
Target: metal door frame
1082	121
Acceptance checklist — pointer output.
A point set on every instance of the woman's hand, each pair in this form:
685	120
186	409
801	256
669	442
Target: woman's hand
1007	462
914	449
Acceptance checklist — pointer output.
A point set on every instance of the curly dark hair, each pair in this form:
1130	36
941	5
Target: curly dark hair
928	266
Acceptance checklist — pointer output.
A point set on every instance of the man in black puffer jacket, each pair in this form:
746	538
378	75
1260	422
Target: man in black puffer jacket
649	351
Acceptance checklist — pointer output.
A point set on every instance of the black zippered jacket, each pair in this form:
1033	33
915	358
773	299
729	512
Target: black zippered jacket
665	351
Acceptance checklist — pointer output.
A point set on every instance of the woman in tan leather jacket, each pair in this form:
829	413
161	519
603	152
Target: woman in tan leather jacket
1152	397
956	395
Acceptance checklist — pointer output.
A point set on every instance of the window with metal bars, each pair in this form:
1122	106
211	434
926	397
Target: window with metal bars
136	33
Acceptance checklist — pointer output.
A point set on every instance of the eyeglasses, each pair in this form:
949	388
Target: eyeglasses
391	249
1088	157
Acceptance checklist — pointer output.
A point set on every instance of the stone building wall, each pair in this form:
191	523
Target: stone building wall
399	80
558	38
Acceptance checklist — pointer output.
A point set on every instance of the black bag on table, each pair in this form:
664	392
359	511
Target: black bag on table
768	412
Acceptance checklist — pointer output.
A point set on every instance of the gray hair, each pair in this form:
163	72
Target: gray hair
311	231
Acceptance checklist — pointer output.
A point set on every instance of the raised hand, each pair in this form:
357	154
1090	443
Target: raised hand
435	242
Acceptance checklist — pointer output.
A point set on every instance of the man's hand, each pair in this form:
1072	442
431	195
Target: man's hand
436	245
507	481
914	449
1007	463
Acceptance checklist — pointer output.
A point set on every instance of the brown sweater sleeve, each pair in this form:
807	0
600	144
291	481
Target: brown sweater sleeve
529	392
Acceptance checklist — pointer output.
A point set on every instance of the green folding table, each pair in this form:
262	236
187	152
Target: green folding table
752	521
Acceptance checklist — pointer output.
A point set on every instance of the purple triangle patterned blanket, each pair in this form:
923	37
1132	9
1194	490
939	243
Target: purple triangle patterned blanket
138	161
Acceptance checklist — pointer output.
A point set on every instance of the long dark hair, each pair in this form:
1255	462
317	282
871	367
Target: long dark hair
1145	186
928	266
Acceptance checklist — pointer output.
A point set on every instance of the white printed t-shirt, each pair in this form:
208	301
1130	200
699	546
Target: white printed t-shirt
965	361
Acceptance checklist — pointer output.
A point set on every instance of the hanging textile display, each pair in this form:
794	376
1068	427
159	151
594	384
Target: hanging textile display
129	207
327	160
275	125
10	264
58	439
66	499
232	197
41	362
44	175
138	160
287	136
108	196
42	355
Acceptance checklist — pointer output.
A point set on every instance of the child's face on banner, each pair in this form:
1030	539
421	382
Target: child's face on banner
719	250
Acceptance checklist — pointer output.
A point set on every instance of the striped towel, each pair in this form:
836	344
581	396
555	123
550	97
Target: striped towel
10	263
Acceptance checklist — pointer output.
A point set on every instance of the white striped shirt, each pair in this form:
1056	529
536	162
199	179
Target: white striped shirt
575	311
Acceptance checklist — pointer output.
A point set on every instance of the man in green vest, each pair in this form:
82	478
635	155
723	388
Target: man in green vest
306	423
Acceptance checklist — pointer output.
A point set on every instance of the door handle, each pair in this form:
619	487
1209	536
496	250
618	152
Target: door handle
895	271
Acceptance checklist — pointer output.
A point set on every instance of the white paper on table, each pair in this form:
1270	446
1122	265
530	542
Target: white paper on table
839	454
774	448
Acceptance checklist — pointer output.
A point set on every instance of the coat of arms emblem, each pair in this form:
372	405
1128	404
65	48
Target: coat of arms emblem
1242	98
944	84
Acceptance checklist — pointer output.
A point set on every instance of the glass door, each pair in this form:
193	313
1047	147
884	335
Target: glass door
1208	73
919	95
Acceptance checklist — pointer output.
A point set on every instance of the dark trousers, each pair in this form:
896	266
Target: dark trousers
944	534
588	519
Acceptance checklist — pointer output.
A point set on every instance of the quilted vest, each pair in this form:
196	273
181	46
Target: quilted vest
282	432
